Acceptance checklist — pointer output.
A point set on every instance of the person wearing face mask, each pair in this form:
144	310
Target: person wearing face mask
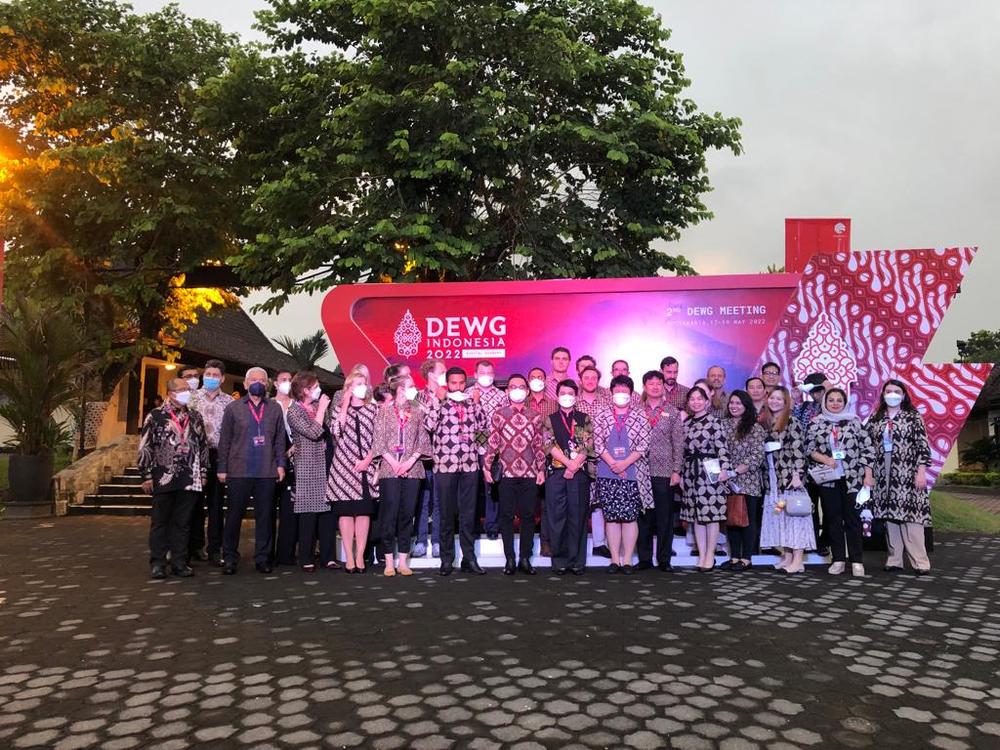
515	463
428	505
785	458
352	483
621	368
490	398
560	359
210	402
306	417
453	421
196	544
900	494
402	442
837	439
592	400
621	442
252	445
568	443
173	461
287	521
545	406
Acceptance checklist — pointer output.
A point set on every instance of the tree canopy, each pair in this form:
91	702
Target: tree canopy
447	139
112	189
981	346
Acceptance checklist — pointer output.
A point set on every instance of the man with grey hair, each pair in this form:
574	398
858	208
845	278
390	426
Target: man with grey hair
173	461
252	443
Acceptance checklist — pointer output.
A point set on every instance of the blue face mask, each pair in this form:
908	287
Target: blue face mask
211	383
257	389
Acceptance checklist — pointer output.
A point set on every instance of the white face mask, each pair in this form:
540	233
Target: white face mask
517	395
433	379
192	383
183	397
621	399
536	385
409	393
485	380
893	399
284	387
567	401
456	396
316	392
359	391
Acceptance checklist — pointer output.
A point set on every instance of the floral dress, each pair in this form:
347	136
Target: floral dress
351	493
777	528
622	500
895	494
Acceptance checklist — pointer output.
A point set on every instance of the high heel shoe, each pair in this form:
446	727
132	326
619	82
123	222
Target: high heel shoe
800	569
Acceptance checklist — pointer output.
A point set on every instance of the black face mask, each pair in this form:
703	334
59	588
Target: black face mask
257	389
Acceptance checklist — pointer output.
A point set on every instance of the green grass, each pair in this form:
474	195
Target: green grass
952	514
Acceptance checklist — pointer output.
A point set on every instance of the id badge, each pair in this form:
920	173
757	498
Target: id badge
772	445
572	450
258	441
839	455
619	452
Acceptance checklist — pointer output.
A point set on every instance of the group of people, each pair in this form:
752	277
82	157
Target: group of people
384	464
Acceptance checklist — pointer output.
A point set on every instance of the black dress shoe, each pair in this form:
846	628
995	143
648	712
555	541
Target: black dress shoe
158	572
472	566
601	550
576	571
215	560
560	571
197	556
492	536
264	568
526	567
229	569
893	569
183	572
446	570
628	570
644	565
510	568
922	571
665	567
614	568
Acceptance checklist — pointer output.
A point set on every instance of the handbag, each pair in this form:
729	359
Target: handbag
823	474
797	503
736	511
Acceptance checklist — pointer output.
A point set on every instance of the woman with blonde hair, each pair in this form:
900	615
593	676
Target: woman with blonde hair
352	486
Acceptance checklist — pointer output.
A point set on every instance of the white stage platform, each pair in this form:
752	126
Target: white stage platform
489	552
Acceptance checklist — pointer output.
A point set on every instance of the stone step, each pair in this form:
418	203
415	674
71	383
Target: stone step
119	490
128	479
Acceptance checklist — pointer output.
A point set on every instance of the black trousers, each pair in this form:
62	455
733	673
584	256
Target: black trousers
457	492
659	521
567	510
288	526
309	524
759	514
240	490
743	540
169	527
842	521
488	505
820	529
398	498
215	497
196	535
517	495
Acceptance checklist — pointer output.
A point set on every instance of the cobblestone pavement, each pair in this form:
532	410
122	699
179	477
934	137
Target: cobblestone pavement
93	654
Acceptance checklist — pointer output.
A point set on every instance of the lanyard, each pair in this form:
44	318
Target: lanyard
180	424
401	419
620	425
569	424
653	415
835	438
257	417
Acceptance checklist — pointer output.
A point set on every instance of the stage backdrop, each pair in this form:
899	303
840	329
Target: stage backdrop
700	320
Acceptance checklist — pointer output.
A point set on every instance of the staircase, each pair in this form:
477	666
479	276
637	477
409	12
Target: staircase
122	496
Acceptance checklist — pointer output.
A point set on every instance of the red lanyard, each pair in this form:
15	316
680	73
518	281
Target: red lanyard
257	417
620	425
461	413
401	419
569	424
181	425
310	409
653	416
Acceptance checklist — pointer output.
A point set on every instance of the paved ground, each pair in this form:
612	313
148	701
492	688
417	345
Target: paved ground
93	654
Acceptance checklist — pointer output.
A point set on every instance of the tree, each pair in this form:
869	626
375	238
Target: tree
446	139
113	189
981	346
306	352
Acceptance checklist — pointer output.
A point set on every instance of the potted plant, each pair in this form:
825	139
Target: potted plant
42	361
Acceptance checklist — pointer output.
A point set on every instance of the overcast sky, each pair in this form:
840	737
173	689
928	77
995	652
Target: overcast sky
884	112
